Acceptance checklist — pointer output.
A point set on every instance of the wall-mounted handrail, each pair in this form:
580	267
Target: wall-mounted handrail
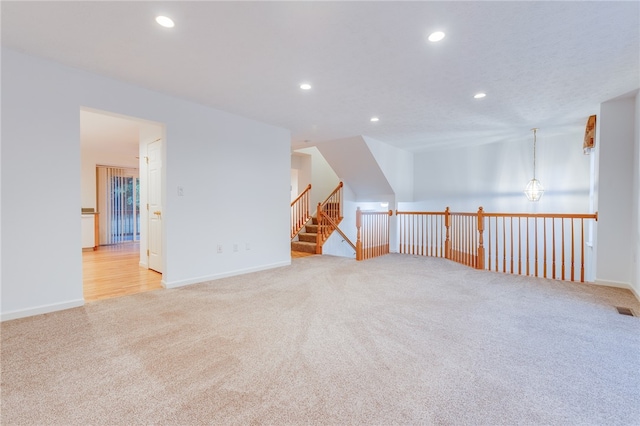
337	228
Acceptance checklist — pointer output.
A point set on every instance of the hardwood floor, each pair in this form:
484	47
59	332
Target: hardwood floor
296	254
113	271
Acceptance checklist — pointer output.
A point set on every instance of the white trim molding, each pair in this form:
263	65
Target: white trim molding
203	279
44	309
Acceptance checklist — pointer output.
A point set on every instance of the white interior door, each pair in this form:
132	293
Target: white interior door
154	212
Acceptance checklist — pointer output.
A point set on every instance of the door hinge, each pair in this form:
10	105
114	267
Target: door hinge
147	206
147	252
146	159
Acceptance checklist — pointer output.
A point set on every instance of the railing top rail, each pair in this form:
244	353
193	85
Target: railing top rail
301	194
527	215
419	213
332	194
374	213
546	215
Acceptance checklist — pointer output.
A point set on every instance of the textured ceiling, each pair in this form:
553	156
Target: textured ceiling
542	64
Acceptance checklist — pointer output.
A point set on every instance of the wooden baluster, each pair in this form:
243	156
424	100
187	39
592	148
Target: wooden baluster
527	247
519	246
544	230
480	263
504	245
511	226
535	223
563	250
389	232
420	239
469	239
405	233
473	248
582	250
497	251
400	231
572	252
319	234
413	234
358	234
436	234
489	241
447	242
553	255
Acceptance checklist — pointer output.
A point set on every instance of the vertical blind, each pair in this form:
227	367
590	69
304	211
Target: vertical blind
117	199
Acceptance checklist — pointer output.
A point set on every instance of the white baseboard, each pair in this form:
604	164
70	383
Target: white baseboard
206	278
618	284
144	265
44	309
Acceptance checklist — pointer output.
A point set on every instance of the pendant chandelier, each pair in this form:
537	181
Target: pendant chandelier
534	189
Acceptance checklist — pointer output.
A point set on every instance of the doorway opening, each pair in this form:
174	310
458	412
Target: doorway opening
115	189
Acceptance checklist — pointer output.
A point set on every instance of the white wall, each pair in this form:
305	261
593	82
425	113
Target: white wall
323	179
301	163
227	165
397	166
615	191
494	176
353	161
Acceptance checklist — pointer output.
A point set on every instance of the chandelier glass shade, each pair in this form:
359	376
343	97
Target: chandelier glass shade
534	189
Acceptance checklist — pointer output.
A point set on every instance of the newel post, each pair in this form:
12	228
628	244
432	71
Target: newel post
480	261
358	239
319	236
447	241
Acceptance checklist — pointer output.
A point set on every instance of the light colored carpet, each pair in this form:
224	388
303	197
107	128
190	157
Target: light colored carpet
393	340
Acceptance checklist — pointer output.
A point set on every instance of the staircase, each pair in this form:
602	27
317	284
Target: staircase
318	228
307	238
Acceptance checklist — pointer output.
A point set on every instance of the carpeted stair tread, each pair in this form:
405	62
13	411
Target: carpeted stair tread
311	229
307	237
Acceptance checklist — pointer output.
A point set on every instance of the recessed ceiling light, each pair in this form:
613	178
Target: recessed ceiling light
305	86
374	119
479	95
165	22
437	36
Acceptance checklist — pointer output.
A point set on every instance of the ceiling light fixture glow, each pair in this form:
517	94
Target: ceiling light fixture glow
305	86
374	119
479	95
165	22
437	36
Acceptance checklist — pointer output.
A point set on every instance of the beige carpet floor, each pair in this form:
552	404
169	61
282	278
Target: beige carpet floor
393	340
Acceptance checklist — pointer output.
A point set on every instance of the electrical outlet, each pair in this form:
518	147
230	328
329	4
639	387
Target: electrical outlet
235	246
180	191
219	248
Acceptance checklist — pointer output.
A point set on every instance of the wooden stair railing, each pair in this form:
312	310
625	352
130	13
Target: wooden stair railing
329	215
300	212
372	234
536	244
